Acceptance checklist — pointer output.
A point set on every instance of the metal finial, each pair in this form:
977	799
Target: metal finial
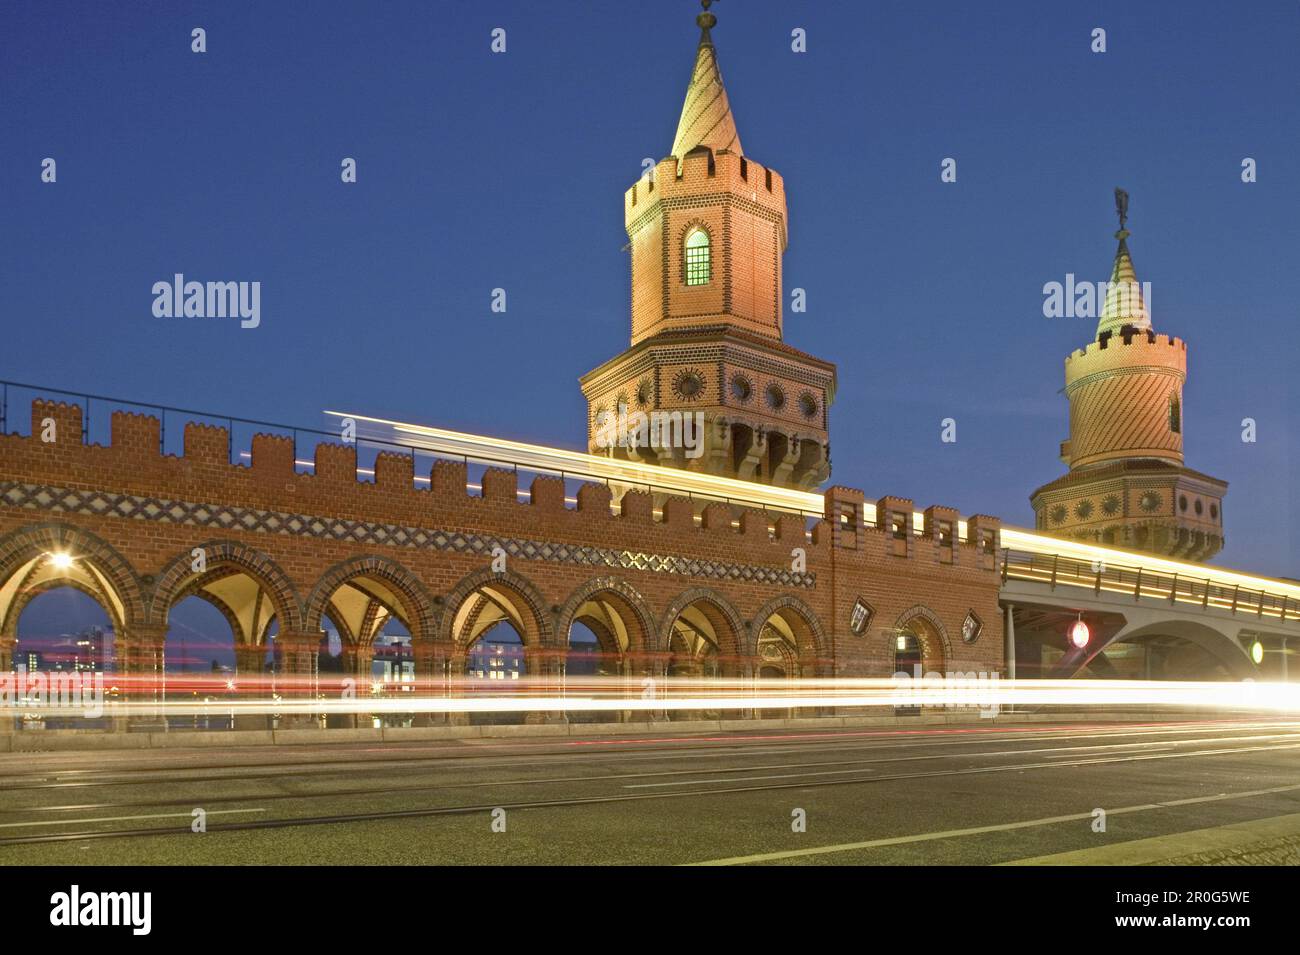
706	20
1121	208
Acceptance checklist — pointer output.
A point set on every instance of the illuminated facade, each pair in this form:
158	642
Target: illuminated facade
723	565
1127	483
707	231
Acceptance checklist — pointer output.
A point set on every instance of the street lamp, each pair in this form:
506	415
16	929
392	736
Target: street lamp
1079	633
1257	652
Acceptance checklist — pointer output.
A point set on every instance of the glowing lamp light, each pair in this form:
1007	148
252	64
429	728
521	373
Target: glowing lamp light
230	684
1257	652
1079	634
60	561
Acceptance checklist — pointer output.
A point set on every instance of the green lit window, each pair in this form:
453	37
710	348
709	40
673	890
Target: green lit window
698	266
1175	415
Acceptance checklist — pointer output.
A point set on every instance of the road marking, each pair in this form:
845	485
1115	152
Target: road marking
1069	753
151	815
979	769
874	741
1064	752
981	830
725	775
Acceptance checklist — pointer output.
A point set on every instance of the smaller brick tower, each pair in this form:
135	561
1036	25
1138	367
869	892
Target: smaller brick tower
1127	483
708	229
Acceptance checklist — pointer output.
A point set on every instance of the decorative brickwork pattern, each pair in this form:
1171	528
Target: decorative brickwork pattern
366	533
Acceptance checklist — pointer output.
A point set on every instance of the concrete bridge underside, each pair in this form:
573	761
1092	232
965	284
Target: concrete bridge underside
1140	637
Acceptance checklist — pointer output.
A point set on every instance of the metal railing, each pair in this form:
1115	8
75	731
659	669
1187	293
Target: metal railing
1057	570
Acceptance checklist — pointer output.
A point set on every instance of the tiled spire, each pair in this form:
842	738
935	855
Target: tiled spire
706	114
1124	303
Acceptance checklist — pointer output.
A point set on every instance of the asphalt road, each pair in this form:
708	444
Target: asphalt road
932	795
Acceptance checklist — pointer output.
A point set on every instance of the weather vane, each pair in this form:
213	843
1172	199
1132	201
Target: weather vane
1121	206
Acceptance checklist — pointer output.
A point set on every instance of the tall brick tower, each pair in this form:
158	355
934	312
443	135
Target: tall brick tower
1127	483
708	229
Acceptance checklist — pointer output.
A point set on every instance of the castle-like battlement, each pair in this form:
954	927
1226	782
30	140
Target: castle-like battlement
704	173
1119	353
302	526
134	462
1137	340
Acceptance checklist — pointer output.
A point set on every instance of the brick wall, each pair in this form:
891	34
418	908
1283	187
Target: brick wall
136	515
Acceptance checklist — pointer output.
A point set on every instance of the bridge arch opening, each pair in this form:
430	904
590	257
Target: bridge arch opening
608	629
496	664
789	647
62	628
703	639
41	558
502	642
205	650
257	602
1175	650
909	658
219	643
372	611
926	636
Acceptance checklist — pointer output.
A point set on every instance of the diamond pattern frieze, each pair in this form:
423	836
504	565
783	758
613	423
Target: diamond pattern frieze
42	498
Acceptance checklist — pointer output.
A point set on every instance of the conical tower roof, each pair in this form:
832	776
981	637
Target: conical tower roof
706	115
1124	303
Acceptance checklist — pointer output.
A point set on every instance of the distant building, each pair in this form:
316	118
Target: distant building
84	652
394	660
91	650
495	661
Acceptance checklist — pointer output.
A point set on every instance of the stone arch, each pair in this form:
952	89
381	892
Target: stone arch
722	612
416	606
177	580
810	637
194	588
627	601
531	615
29	592
924	623
98	567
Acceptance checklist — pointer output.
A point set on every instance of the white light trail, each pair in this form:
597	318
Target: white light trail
543	459
615	694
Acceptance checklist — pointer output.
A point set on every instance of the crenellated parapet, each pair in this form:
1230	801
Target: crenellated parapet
297	516
703	173
1126	393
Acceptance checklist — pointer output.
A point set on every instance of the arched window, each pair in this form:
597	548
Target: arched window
698	266
1175	415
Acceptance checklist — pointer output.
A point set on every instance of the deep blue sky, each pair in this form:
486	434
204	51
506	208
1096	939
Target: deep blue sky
479	170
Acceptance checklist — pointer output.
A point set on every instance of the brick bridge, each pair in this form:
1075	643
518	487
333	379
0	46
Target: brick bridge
669	586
